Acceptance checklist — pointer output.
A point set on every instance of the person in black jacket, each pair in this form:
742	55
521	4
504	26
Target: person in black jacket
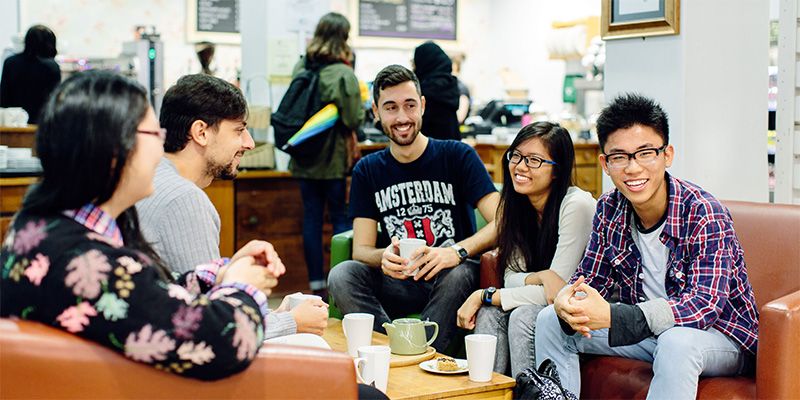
440	89
29	77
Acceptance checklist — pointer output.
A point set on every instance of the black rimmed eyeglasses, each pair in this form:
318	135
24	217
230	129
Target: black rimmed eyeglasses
514	157
161	133
643	157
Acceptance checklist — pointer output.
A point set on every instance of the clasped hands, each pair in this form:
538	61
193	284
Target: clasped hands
583	308
429	260
256	263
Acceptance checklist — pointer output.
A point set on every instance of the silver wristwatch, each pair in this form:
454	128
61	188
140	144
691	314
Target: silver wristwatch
462	253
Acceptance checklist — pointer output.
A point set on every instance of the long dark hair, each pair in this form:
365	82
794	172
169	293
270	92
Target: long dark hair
520	232
329	44
86	135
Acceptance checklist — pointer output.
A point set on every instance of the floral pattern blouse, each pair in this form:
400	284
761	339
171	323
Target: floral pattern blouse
73	272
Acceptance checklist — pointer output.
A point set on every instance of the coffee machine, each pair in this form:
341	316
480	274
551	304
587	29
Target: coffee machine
145	58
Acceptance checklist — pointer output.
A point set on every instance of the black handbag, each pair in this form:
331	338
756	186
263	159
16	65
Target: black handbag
542	384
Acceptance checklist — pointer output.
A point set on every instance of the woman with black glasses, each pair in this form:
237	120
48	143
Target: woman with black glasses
543	224
76	260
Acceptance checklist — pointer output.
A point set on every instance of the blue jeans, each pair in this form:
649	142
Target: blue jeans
356	287
315	193
515	331
679	356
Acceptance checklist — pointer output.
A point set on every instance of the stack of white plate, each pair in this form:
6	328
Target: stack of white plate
21	158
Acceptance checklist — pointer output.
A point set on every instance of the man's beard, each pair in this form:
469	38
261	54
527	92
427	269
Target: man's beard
224	172
417	127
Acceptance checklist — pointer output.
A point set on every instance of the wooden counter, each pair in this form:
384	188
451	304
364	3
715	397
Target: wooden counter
12	190
18	137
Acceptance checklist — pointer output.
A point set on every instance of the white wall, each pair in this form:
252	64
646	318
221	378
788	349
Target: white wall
497	34
9	28
712	80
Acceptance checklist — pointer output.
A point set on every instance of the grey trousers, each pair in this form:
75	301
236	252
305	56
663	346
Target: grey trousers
515	336
357	287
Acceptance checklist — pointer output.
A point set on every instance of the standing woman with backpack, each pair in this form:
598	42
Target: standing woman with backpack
322	176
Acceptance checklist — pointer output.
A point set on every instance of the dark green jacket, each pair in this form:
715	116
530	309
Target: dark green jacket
337	84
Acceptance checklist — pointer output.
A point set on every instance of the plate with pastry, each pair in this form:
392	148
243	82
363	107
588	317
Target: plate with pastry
445	365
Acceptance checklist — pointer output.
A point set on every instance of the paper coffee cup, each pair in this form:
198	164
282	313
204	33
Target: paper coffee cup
480	356
407	247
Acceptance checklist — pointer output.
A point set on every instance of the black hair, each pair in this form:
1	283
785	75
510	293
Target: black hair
627	110
40	41
198	97
329	44
85	138
520	232
390	76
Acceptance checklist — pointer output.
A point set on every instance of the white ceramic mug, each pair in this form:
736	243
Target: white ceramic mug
296	298
480	356
372	366
407	247
357	328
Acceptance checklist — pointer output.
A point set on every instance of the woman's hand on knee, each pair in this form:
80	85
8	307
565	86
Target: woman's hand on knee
467	313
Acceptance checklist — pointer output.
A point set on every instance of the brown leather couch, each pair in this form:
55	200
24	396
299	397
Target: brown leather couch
37	361
770	236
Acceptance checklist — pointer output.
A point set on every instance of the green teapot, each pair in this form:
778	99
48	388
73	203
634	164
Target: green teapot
407	335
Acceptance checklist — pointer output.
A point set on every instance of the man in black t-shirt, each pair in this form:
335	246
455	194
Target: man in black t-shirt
416	188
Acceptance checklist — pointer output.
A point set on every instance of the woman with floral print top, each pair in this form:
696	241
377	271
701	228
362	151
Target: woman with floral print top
74	257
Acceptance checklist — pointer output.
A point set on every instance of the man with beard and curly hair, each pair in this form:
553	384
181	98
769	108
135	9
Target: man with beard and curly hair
416	188
205	120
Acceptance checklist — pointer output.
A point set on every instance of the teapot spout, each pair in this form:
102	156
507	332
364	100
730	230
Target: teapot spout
389	327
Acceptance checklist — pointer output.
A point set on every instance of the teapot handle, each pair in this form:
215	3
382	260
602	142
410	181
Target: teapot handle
435	330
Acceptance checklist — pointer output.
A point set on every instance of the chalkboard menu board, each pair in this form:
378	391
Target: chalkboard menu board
218	16
418	19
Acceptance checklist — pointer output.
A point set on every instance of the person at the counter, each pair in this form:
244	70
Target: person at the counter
322	177
29	77
440	88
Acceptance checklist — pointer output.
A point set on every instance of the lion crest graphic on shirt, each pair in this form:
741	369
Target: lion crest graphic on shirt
430	227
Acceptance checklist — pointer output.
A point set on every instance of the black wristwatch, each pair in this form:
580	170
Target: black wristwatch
487	295
461	252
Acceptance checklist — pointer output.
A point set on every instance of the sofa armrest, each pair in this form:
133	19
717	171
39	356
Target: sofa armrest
778	348
38	361
490	275
341	247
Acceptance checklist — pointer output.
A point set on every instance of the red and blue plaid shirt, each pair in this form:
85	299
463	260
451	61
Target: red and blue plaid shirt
94	218
706	279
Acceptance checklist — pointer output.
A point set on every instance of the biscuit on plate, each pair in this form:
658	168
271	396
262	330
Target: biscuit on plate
446	364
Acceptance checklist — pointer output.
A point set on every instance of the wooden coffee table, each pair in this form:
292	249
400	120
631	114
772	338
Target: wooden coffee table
411	382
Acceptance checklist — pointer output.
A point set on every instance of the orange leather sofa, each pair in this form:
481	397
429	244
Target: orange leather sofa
37	361
770	236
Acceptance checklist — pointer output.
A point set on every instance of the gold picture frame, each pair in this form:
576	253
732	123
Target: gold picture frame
639	18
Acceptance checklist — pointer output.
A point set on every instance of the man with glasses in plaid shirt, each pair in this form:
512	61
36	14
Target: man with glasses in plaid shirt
685	301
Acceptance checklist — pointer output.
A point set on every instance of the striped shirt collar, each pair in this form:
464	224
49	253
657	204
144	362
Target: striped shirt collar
99	221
